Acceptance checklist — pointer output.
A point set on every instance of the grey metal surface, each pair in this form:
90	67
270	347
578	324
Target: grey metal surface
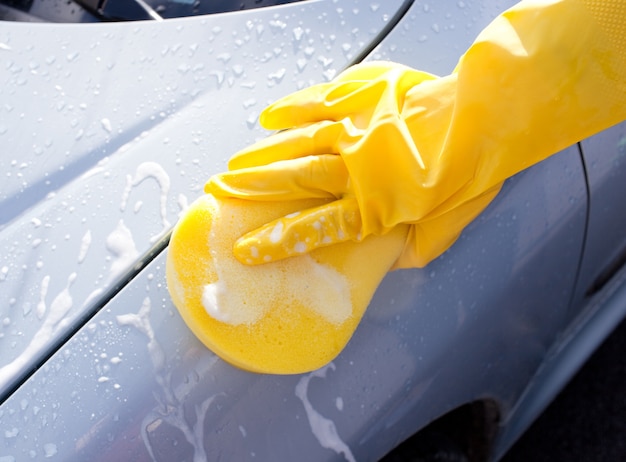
133	383
598	304
601	315
605	159
108	130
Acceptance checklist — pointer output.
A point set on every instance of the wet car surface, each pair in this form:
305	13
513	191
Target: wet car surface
110	129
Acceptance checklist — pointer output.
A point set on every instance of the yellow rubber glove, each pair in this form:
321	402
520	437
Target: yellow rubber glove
393	145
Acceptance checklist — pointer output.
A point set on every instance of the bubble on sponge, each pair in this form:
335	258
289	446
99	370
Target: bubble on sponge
244	294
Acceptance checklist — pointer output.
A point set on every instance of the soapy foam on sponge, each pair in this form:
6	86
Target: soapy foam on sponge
233	300
287	316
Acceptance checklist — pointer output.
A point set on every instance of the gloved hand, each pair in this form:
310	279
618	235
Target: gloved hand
376	147
394	145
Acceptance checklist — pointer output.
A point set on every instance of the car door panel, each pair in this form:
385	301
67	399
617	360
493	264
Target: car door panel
605	249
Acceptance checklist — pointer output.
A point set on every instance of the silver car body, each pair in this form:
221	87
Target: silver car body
108	131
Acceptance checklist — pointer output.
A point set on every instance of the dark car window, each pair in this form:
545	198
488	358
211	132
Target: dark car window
121	10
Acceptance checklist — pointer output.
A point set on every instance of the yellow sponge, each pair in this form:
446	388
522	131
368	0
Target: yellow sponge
283	317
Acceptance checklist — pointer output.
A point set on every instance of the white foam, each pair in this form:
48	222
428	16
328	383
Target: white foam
141	322
41	306
212	300
59	308
144	171
84	246
120	242
243	294
322	428
277	233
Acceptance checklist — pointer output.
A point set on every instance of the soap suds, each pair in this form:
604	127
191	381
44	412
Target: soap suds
120	243
254	252
243	294
212	296
85	243
41	305
141	322
59	308
172	404
323	428
277	233
144	171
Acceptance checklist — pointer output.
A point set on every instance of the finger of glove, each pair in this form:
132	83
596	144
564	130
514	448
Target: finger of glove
328	101
368	70
315	139
323	176
307	105
354	91
301	232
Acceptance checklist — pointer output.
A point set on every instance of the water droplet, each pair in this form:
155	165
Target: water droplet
251	120
329	74
224	57
249	103
298	32
277	76
50	449
238	70
324	61
277	24
183	68
106	124
219	75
